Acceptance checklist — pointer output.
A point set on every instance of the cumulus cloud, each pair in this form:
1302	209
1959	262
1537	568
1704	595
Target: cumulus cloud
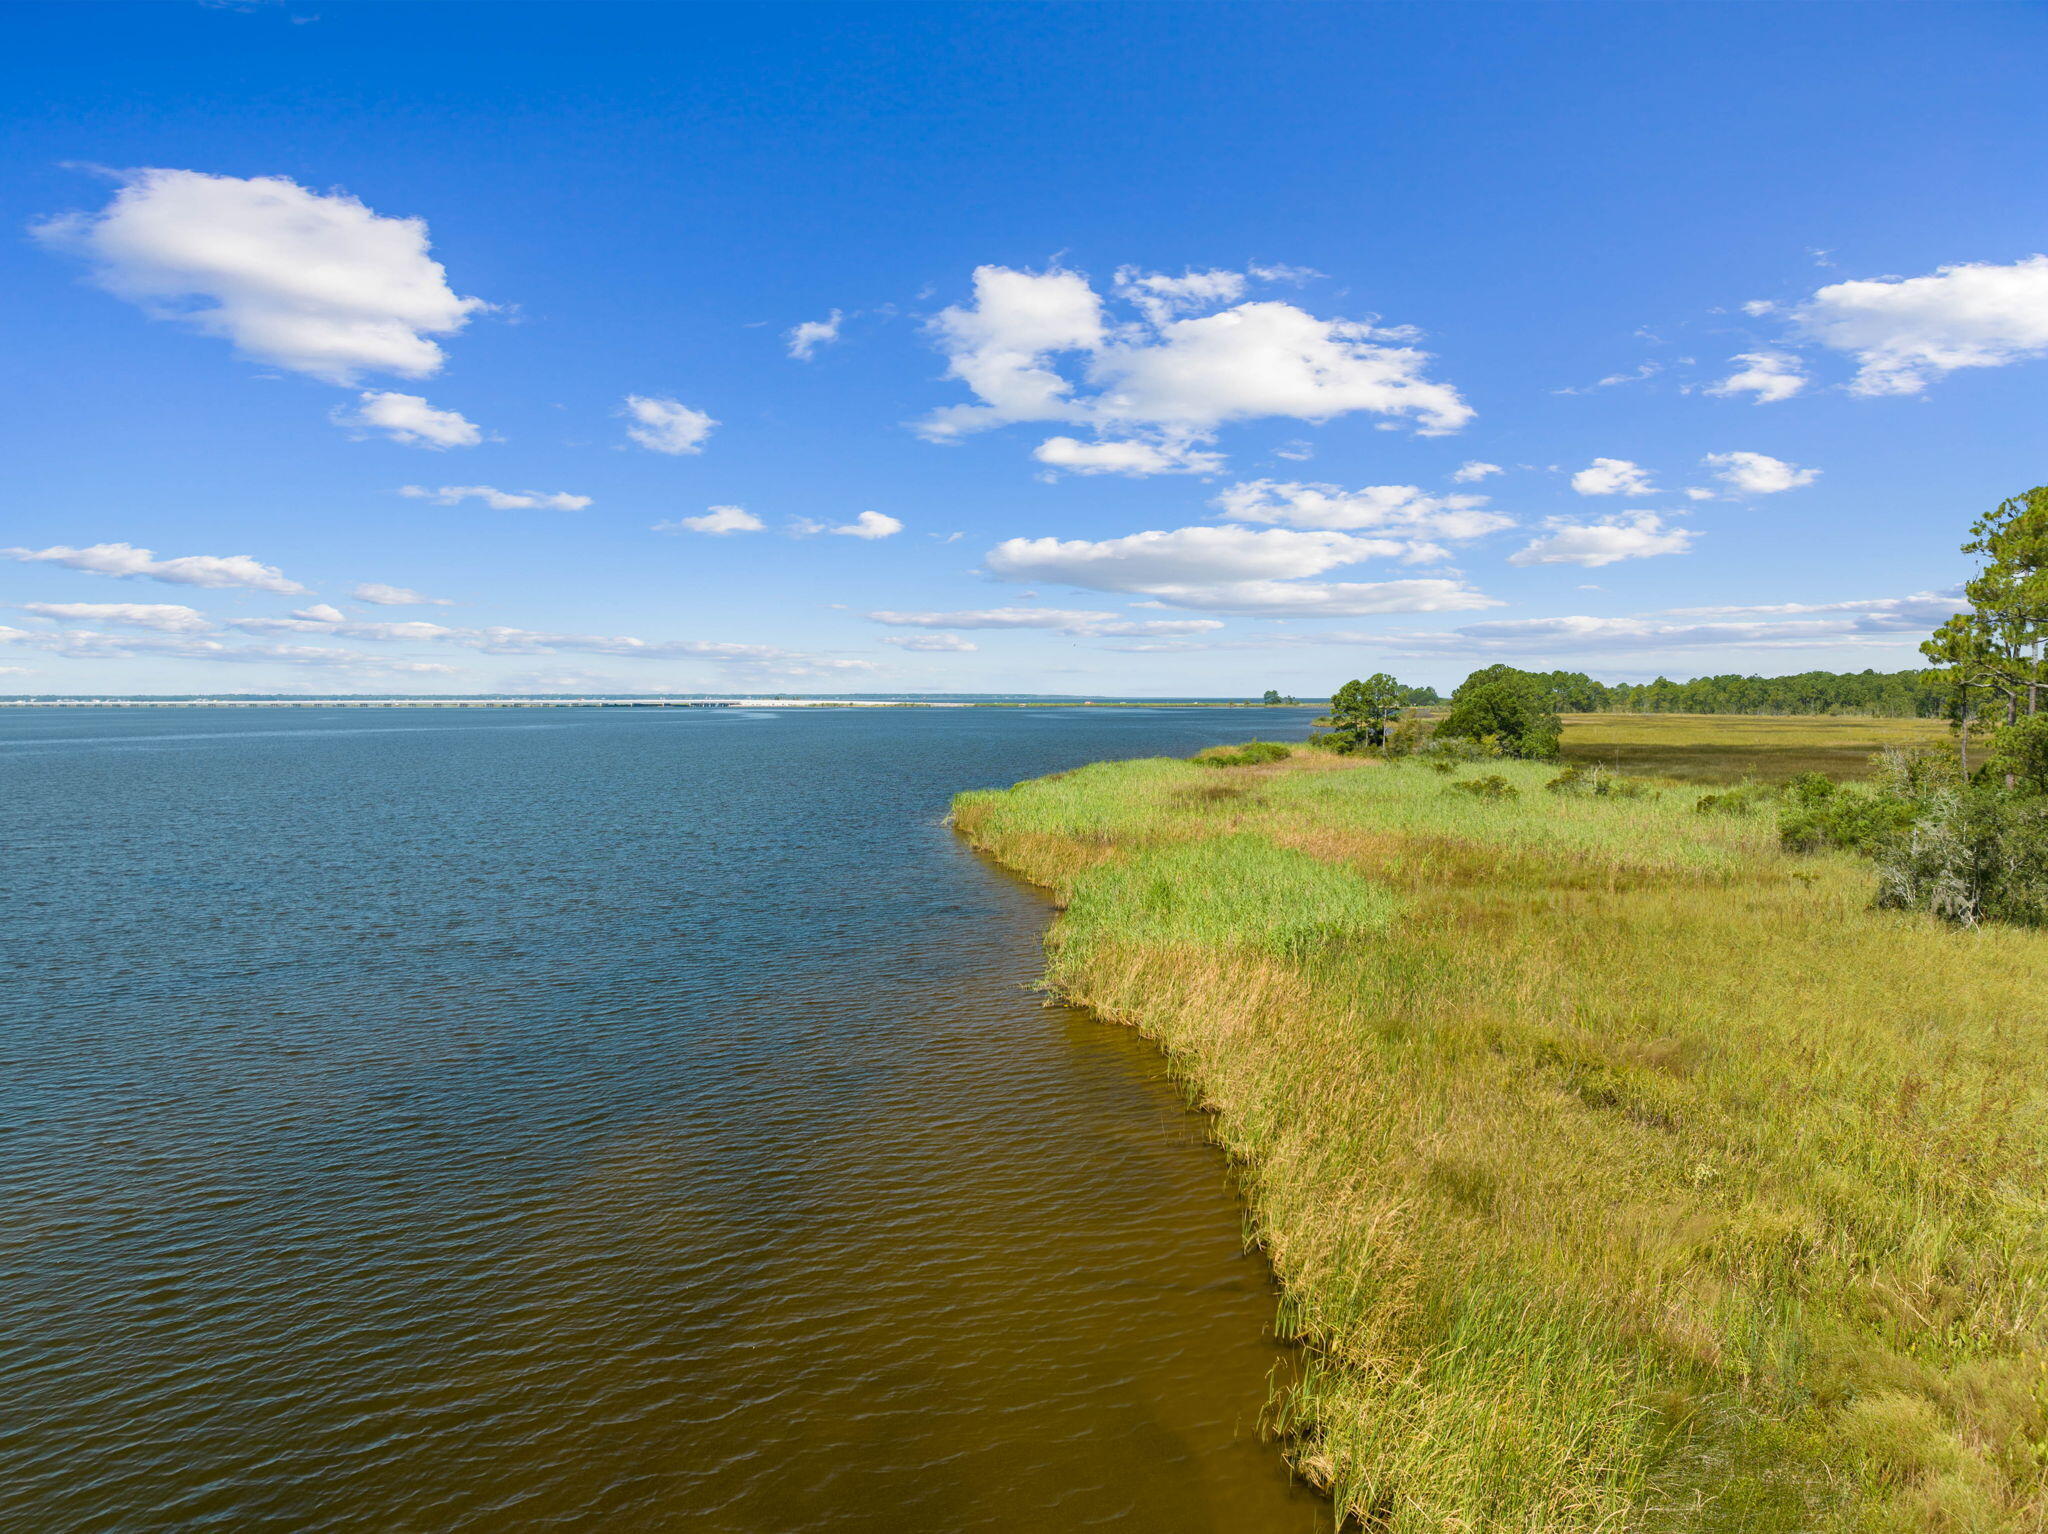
805	339
666	425
1630	535
869	524
1889	621
1770	376
165	617
1173	373
1061	620
409	419
1134	457
931	642
1161	296
1401	509
1613	476
1471	471
498	500
125	561
1758	473
1906	332
1232	569
718	521
310	281
380	595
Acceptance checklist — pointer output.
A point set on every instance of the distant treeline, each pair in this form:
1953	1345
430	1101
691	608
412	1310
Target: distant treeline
1883	694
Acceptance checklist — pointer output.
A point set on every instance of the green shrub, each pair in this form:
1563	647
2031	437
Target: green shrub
1253	753
1970	855
1819	813
1492	786
1743	799
1596	782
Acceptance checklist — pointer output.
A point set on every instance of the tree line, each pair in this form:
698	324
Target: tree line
1915	694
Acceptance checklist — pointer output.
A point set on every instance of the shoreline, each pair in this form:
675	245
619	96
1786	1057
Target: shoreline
1602	1151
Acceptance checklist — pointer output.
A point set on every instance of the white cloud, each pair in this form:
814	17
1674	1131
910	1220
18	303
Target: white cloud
1471	471
17	671
931	642
1161	296
1001	347
1770	376
1887	622
805	339
1232	569
996	618
869	524
1188	555
666	425
165	617
315	282
1758	473
1629	535
1280	271
321	612
1296	451
1062	620
1325	599
1646	370
380	595
1397	509
90	644
409	419
498	500
128	562
1613	476
1170	373
1133	456
498	639
1268	359
719	521
1906	332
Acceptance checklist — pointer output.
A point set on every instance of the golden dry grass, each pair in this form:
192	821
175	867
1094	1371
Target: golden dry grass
1724	748
1621	1172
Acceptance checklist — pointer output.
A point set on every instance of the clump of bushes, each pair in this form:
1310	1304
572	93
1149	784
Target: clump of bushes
1492	786
1965	849
1744	799
1254	753
1595	782
1446	754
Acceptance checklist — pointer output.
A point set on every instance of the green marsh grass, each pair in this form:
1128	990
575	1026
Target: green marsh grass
1621	1171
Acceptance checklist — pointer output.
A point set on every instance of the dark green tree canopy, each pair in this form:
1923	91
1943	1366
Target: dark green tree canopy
1517	710
1360	710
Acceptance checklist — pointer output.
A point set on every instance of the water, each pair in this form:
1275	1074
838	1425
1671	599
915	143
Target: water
443	1121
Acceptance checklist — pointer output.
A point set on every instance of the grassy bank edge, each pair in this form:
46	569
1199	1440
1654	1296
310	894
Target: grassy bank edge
1878	1435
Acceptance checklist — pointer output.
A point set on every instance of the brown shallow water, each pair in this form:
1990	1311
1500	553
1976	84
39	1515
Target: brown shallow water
433	1122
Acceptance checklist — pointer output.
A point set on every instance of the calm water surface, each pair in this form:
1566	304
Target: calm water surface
423	1121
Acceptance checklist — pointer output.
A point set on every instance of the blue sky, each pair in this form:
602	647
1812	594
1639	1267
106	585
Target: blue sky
1258	281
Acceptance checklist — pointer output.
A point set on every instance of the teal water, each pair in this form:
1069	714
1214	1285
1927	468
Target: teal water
418	1121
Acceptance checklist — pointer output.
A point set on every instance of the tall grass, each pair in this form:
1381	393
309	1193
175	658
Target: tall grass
1621	1171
